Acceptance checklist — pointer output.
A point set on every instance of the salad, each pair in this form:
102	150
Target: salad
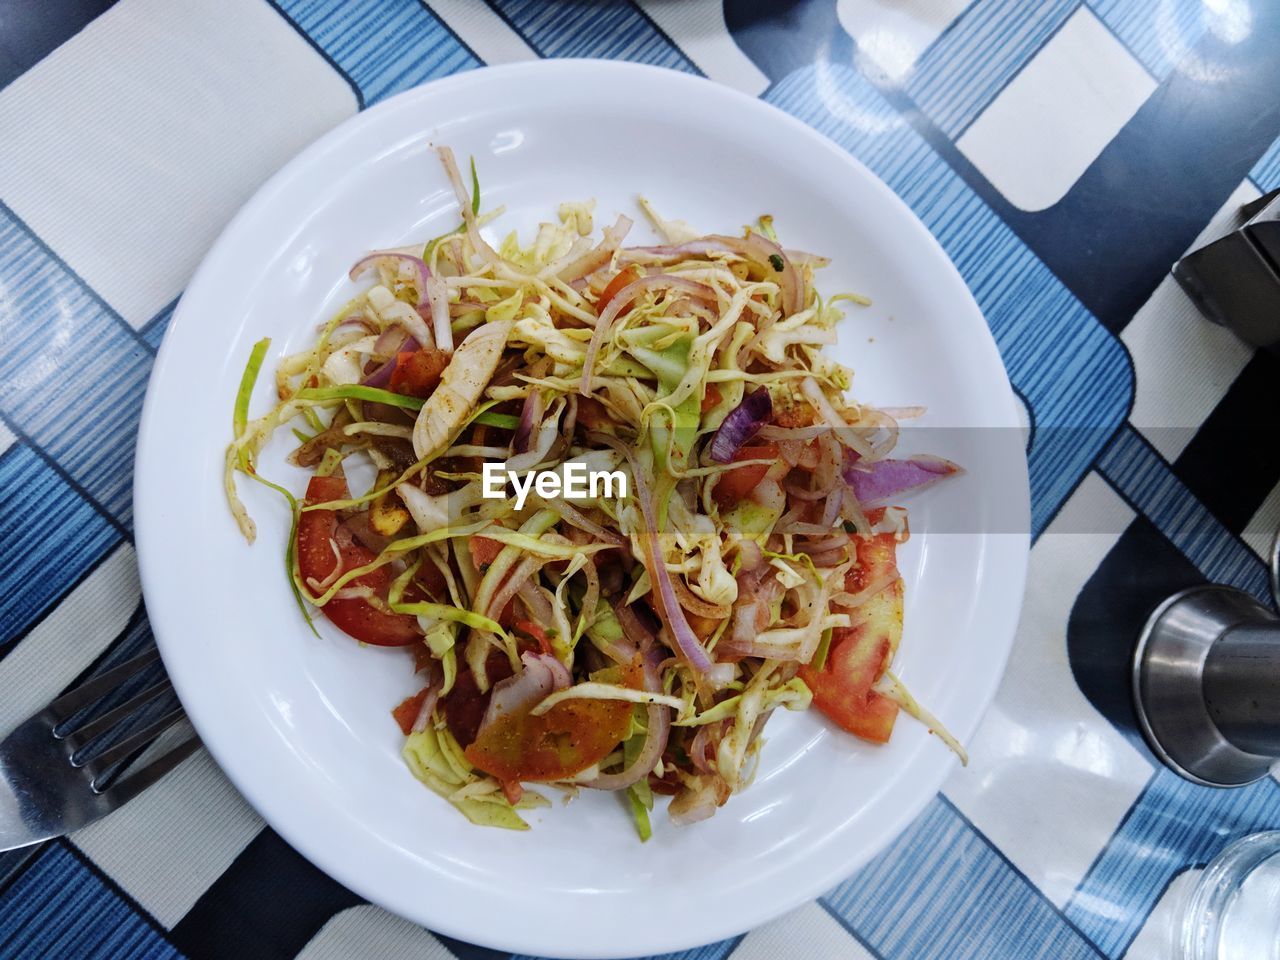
637	638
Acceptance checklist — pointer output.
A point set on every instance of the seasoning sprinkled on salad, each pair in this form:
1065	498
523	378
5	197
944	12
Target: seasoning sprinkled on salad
635	638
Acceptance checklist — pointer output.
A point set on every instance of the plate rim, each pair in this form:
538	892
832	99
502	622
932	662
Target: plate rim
304	840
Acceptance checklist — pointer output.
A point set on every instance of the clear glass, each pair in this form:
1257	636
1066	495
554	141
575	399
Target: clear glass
1234	911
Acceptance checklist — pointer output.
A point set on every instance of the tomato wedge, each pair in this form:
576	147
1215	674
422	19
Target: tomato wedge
857	658
408	709
417	372
535	630
465	705
877	562
621	279
564	741
483	551
736	485
355	616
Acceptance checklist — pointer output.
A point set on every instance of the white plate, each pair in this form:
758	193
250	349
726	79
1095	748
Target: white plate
301	725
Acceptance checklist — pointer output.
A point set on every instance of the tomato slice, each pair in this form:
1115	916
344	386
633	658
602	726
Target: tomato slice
417	372
621	279
408	710
736	485
483	551
877	562
535	630
428	584
422	658
857	658
564	741
355	616
593	414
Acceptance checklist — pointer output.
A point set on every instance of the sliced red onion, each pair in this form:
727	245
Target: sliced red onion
357	321
797	492
535	600
683	634
831	511
701	741
435	683
520	575
836	541
695	604
755	247
742	423
392	340
698	801
744	627
637	632
765	252
880	480
562	676
542	676
530	416
672	615
621	301
382	376
380	258
542	441
659	730
672	252
757	590
596	258
830	558
575	518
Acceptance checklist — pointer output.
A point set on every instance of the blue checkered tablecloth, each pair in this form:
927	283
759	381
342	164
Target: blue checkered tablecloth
1063	152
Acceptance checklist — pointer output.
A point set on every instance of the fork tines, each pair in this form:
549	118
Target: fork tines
81	738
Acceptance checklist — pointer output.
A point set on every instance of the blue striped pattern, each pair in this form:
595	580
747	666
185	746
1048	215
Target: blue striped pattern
1266	172
712	951
13	862
1138	472
1157	34
941	892
59	909
382	46
51	538
1072	372
972	61
1174	825
154	330
614	29
72	373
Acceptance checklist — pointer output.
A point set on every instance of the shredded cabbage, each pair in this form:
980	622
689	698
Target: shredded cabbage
707	595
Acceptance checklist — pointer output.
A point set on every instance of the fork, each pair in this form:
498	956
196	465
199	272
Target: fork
52	781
